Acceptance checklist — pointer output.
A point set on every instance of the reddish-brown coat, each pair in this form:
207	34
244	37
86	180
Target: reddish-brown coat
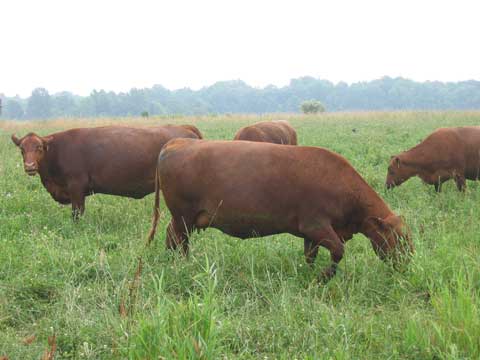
251	189
276	132
447	153
114	160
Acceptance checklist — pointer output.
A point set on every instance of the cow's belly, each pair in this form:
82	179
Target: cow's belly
249	230
473	173
134	193
250	224
134	189
58	192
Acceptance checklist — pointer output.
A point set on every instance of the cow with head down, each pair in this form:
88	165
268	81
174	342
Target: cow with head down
114	160
252	189
447	153
276	132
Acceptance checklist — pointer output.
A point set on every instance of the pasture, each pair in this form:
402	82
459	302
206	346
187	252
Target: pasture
234	298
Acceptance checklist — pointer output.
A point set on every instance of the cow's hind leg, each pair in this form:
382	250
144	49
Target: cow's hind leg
460	182
177	234
329	239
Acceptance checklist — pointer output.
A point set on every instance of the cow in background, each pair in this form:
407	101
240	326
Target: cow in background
113	160
276	132
447	153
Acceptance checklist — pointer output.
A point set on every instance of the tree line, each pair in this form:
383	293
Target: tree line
238	97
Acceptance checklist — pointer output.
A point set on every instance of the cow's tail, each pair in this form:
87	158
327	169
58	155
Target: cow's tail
156	208
195	130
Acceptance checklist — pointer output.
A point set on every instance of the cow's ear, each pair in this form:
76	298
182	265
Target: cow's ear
377	223
47	141
15	140
396	161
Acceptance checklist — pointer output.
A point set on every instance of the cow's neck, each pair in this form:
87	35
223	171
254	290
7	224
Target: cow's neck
416	158
373	206
46	167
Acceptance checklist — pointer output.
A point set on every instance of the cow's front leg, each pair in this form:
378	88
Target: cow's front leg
77	196
310	249
327	238
78	208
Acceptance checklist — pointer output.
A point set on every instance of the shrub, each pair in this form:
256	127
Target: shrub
312	107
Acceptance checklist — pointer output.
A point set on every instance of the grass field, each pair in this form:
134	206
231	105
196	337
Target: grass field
239	298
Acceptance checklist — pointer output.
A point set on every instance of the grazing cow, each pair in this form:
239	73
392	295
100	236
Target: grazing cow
250	189
447	153
276	132
112	160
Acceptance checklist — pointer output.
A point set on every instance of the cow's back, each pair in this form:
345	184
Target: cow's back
288	131
115	160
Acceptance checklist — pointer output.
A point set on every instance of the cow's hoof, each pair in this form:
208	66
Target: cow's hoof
326	275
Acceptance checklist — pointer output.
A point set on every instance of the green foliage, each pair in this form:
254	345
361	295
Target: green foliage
144	114
183	329
312	107
240	299
238	97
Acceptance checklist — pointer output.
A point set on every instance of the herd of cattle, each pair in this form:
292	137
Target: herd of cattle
260	184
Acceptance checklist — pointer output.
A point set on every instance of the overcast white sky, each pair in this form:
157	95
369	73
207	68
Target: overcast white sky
116	45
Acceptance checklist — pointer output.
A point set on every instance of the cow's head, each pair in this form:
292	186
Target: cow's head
390	237
33	149
398	172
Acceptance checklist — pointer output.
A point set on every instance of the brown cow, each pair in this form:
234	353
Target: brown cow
276	132
112	160
250	189
447	153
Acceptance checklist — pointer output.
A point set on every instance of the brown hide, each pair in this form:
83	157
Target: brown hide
447	153
276	132
112	160
251	189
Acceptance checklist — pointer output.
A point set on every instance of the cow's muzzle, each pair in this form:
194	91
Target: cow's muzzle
389	185
31	169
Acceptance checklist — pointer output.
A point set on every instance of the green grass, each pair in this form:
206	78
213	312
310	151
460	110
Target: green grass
240	299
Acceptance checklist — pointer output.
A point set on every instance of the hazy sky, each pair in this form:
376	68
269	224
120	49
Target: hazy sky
116	45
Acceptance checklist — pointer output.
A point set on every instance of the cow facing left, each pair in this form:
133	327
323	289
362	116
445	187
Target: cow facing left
113	160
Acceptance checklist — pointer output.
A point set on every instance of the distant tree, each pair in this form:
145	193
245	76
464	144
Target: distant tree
312	107
238	97
137	101
144	114
101	103
85	107
13	110
63	104
39	104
